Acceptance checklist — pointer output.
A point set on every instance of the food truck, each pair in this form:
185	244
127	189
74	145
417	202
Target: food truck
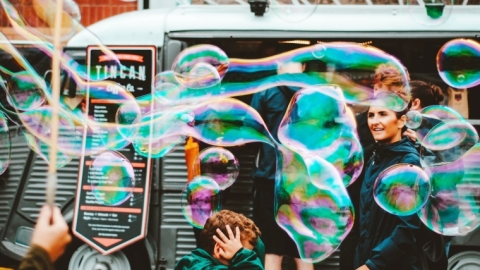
242	32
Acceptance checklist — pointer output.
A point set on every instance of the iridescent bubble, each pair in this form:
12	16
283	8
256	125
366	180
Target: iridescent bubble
128	114
458	63
219	164
200	66
37	123
43	150
402	189
430	12
228	122
444	135
335	137
414	119
312	204
5	146
40	20
103	128
339	55
319	51
200	200
25	92
158	147
202	75
112	178
455	205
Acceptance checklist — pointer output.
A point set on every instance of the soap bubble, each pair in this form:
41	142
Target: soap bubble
430	12
200	200
455	206
293	13
414	119
444	134
112	178
219	164
458	63
311	204
25	92
402	189
335	139
200	66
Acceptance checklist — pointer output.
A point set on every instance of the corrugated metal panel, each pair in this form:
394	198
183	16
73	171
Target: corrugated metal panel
240	200
33	194
9	189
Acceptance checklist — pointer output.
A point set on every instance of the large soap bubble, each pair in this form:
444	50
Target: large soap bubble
311	204
402	189
458	63
334	136
455	205
200	200
219	164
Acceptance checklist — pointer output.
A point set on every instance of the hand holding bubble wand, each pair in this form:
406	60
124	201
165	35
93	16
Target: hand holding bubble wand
52	168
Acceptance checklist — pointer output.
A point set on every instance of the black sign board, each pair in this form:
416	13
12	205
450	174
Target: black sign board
110	217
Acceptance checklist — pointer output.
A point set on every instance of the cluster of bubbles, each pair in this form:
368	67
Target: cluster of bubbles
318	151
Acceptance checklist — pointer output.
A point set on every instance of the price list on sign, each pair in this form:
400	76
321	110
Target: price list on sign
112	199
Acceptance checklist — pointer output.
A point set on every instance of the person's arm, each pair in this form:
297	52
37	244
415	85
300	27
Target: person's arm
49	239
36	259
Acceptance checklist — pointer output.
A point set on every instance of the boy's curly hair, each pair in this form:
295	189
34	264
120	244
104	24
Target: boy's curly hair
248	230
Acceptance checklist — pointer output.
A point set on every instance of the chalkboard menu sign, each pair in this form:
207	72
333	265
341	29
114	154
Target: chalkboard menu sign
111	206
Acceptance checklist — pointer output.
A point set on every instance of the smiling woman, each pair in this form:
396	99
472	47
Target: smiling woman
386	241
386	125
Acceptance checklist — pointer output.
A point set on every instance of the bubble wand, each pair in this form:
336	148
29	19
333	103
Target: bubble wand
52	168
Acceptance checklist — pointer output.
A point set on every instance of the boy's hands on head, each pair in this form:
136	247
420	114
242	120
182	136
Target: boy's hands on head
230	245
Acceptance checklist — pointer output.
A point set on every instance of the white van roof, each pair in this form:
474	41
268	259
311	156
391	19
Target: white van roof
148	27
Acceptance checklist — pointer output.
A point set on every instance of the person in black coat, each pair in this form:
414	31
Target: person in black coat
386	241
387	79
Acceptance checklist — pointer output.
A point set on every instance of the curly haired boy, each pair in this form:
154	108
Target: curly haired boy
221	248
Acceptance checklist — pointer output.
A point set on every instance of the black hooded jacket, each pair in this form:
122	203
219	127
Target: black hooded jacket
386	241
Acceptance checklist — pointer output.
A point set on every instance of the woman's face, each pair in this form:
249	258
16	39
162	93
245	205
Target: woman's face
384	125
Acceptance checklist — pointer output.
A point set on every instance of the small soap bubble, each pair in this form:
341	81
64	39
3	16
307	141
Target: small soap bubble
200	200
414	119
430	12
219	164
402	189
319	51
112	178
294	13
